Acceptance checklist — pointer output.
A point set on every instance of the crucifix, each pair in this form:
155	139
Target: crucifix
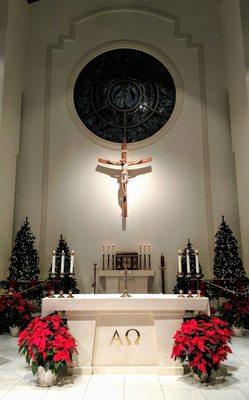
124	175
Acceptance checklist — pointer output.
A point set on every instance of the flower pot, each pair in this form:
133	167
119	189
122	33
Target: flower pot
14	331
238	331
201	379
46	378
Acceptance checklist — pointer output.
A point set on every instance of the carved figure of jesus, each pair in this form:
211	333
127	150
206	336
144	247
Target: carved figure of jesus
124	176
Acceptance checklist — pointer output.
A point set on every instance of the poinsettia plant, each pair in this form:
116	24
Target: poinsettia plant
202	342
16	310
235	310
47	342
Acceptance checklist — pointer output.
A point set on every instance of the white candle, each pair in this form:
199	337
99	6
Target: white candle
197	268
188	261
72	262
179	262
140	249
62	261
149	249
53	262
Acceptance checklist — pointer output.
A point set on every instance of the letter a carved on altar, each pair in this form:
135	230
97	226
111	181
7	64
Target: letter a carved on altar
124	173
116	337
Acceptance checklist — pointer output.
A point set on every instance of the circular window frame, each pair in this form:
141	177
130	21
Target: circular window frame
154	52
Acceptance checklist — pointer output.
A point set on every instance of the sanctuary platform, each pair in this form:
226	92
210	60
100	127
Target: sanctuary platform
125	335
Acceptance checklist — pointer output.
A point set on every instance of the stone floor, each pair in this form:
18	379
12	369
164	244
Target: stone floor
17	381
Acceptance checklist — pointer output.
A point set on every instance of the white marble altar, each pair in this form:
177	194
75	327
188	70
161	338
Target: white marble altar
125	335
138	280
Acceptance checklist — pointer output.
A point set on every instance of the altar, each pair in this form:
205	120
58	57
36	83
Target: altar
125	335
138	280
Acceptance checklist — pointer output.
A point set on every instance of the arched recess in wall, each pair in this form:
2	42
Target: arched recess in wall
69	48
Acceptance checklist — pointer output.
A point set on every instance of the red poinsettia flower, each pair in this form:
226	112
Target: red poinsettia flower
47	340
202	342
15	309
235	310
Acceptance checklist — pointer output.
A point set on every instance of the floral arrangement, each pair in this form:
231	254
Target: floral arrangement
202	342
47	342
15	310
235	310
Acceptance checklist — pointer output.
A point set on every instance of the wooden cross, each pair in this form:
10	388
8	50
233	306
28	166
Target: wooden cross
124	176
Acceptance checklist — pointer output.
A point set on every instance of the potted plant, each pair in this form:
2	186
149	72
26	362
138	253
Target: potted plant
202	343
48	346
234	311
16	312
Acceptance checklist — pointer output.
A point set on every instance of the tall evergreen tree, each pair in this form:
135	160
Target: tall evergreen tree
24	264
228	265
182	283
67	282
24	260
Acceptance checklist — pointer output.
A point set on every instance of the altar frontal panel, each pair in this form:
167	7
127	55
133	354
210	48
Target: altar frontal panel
122	339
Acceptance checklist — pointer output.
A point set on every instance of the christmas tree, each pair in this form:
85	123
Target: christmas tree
182	283
66	282
228	266
24	260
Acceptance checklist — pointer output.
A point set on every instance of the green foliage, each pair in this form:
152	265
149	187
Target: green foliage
24	264
24	261
228	266
34	367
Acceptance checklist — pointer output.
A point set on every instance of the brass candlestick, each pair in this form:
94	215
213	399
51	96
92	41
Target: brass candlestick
189	289
198	291
94	284
52	291
149	257
10	291
70	292
61	292
180	275
125	293
103	262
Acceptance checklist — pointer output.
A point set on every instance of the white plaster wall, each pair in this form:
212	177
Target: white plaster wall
13	41
165	207
236	83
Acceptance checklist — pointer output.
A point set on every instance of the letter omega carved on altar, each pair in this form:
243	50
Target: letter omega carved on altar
116	337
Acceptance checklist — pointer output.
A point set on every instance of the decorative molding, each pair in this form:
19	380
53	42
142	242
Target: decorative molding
72	37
